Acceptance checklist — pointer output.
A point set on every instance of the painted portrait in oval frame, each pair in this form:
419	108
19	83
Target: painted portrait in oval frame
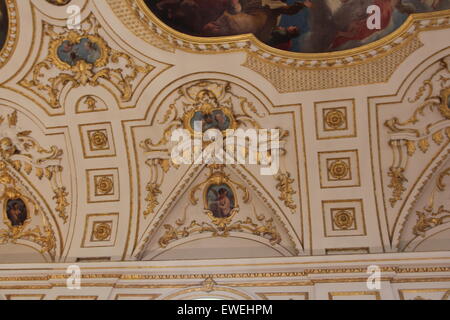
220	202
16	212
210	114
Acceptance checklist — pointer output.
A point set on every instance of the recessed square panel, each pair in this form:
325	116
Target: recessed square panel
103	185
97	140
335	119
339	169
343	218
100	230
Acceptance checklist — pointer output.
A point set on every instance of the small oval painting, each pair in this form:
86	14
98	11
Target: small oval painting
85	50
220	200
217	119
3	23
292	25
16	211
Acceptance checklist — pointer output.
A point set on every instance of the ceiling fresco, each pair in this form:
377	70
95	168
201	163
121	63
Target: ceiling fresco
3	23
311	26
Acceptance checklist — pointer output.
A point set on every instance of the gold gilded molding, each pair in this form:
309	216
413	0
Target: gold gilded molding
375	294
209	284
58	2
124	10
13	32
18	221
344	218
44	163
79	69
335	119
402	293
25	296
284	185
431	217
288	79
417	132
284	295
205	98
249	43
77	298
223	225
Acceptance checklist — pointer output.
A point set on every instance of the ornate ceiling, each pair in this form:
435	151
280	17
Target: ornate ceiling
85	153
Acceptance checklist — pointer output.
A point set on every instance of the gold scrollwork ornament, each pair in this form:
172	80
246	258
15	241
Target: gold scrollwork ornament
18	219
83	69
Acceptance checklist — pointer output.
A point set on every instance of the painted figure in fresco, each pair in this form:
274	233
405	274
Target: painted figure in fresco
259	18
342	24
327	25
3	23
282	37
357	29
16	211
215	120
193	15
85	50
220	201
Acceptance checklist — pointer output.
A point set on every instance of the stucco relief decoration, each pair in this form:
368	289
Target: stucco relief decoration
21	155
19	150
59	2
429	124
220	202
82	58
216	106
435	213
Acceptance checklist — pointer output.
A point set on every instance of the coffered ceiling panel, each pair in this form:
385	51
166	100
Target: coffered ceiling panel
88	113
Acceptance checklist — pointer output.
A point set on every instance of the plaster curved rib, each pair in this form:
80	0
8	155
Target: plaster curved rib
278	249
429	234
415	193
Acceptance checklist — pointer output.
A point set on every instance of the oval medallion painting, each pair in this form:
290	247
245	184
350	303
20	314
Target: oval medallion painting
16	211
3	23
220	200
85	50
299	26
216	119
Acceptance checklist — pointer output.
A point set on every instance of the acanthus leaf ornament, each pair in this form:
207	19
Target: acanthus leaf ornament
82	57
215	104
411	135
221	207
285	187
18	211
23	153
431	217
